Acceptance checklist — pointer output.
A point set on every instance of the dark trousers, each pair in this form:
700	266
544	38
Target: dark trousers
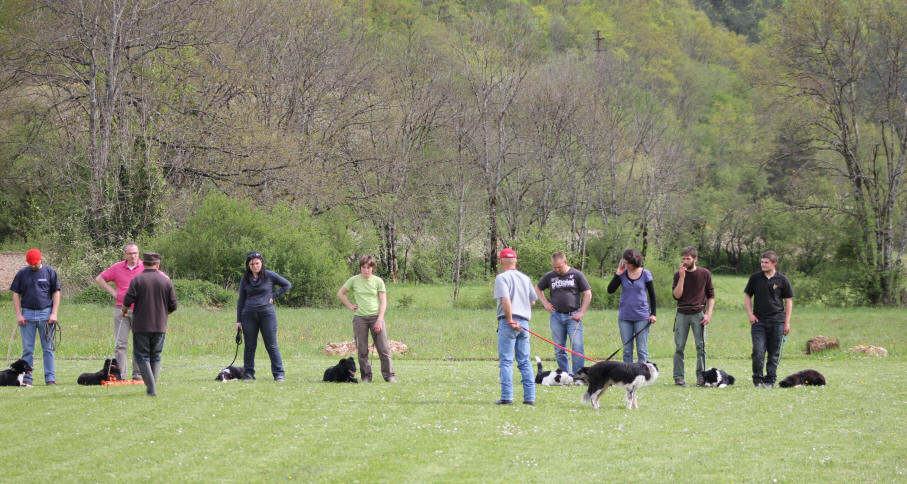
264	321
767	339
147	347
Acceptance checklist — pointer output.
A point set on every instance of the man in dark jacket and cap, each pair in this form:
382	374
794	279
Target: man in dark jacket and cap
154	298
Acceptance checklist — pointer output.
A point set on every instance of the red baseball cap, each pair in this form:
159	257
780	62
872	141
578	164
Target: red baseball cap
33	256
507	253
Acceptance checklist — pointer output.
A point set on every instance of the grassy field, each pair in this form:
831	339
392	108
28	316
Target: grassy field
438	424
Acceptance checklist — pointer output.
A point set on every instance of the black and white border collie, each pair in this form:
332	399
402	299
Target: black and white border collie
629	376
713	377
805	377
343	372
551	378
231	373
110	371
14	376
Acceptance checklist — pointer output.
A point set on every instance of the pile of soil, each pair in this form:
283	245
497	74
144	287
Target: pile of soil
349	348
10	263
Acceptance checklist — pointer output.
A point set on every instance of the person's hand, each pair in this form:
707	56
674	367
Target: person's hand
682	270
354	307
652	319
577	316
621	267
548	307
20	320
753	319
238	325
124	312
706	319
271	300
379	325
786	329
513	324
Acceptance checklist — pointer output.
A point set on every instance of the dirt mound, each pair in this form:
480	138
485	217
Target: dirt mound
821	343
10	263
869	350
349	348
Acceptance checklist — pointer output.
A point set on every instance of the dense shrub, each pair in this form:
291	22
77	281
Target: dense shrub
214	243
202	293
92	295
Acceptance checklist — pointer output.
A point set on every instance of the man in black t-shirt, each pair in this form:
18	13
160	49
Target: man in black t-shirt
570	296
36	299
769	300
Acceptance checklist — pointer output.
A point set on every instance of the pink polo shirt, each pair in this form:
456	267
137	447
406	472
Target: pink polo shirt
121	275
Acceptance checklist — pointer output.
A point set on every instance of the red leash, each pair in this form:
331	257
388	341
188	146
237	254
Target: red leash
559	346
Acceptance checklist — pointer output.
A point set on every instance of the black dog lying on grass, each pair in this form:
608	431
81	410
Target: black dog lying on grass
343	372
15	375
110	372
231	373
805	377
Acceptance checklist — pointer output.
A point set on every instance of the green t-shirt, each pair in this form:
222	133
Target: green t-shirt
365	293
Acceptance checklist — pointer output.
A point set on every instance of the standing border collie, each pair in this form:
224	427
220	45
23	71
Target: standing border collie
15	375
629	376
713	377
551	378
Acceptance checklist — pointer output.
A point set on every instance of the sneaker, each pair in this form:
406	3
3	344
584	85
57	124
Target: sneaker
504	402
280	379
392	379
768	385
26	384
366	379
700	382
51	383
679	382
248	378
527	402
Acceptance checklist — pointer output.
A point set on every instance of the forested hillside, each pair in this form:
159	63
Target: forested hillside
433	133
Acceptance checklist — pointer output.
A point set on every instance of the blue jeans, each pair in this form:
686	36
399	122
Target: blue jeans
515	343
627	330
767	337
562	326
147	347
35	323
265	321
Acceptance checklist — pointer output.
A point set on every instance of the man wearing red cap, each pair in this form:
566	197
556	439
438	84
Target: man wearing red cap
516	295
36	298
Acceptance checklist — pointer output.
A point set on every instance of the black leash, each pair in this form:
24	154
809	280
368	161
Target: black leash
628	341
238	342
53	334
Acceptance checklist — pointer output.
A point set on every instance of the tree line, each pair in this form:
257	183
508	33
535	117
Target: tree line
436	132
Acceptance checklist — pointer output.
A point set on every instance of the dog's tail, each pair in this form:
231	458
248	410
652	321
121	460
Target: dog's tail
538	362
587	397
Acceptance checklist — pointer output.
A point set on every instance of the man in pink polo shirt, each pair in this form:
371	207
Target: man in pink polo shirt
121	274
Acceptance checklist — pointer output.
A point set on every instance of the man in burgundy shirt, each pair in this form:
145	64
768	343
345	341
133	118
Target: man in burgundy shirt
154	298
121	274
695	297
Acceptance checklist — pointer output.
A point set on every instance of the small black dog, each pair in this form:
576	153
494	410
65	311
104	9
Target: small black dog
713	377
231	373
15	375
343	372
110	372
805	377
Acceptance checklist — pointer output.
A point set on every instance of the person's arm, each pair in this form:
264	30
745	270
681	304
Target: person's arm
614	284
129	298
678	284
171	302
508	313
788	311
545	304
650	290
52	319
281	281
105	285
587	300
240	302
341	294
748	303
707	317
382	307
17	305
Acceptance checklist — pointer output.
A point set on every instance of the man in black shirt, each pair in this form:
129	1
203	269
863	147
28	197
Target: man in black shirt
769	300
570	296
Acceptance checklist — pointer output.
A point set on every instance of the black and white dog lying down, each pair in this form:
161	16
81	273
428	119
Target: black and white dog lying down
629	376
343	372
714	377
230	373
14	376
111	371
551	378
805	377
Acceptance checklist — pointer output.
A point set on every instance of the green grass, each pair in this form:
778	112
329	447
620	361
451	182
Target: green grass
438	424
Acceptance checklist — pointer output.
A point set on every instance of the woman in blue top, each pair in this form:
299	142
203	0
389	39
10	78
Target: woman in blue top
637	304
255	312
